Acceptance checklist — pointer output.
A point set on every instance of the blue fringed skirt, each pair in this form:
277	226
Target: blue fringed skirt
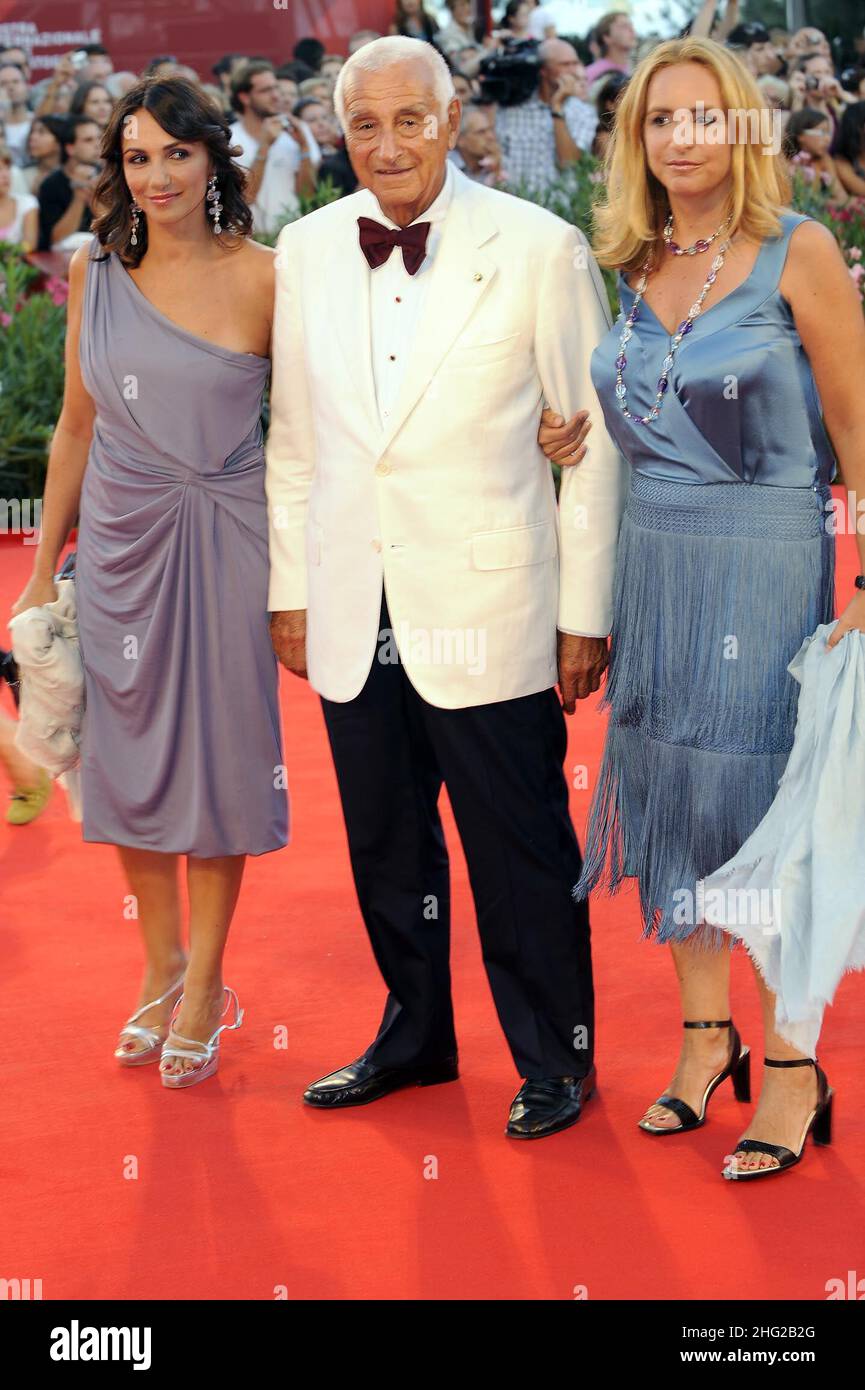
717	586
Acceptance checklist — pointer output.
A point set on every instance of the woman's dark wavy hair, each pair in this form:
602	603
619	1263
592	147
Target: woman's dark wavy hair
805	119
57	127
430	25
186	113
82	92
851	132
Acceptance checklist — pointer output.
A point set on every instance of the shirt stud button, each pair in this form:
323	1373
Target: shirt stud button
478	275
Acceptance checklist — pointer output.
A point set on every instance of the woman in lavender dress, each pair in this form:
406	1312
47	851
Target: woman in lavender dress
159	444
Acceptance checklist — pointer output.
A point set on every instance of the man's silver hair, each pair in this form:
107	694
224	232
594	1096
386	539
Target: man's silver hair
395	49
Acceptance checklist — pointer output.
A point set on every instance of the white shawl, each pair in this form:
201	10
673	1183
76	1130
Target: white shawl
795	891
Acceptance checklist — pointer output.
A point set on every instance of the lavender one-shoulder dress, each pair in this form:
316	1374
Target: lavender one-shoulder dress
181	744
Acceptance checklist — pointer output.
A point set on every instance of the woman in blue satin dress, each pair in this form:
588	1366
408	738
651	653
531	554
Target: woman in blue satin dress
715	383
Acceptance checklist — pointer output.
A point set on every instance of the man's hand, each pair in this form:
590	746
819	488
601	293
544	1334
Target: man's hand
64	71
797	89
567	86
563	442
582	662
271	129
84	178
492	164
830	89
295	130
288	635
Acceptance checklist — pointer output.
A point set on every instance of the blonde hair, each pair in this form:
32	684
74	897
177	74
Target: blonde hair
628	223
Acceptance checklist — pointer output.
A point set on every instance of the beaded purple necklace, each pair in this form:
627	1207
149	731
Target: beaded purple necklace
702	244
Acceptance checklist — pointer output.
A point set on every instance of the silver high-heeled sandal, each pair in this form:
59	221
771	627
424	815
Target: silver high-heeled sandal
205	1053
153	1036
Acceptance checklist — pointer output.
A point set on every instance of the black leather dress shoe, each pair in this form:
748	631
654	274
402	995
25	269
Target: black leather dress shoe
361	1082
544	1107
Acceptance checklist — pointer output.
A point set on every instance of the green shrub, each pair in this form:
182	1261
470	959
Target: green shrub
572	197
32	334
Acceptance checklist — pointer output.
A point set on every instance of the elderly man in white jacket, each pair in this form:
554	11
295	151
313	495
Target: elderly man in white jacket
420	570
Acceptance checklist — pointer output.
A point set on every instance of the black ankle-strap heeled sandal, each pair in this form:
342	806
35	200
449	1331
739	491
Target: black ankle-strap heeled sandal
738	1067
818	1125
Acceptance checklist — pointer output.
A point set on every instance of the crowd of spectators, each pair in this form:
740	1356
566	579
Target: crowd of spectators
534	102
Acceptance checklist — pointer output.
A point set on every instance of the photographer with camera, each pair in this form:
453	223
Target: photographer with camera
278	150
813	84
544	120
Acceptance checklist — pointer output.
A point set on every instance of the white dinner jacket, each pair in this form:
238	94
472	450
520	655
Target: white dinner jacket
452	503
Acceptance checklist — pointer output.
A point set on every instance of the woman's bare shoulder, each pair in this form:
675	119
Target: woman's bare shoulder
78	263
257	248
76	271
258	254
255	278
813	260
255	262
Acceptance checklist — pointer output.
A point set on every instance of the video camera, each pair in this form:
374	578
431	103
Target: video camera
511	76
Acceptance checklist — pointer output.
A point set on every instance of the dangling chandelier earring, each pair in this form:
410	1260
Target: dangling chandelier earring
133	240
215	204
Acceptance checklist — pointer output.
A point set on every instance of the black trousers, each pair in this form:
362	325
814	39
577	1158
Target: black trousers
502	766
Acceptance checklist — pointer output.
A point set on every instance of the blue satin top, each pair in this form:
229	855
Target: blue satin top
741	405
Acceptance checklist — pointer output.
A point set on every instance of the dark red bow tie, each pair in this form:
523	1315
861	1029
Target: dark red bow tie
377	242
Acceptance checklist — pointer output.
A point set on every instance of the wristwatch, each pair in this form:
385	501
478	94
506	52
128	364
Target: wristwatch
558	115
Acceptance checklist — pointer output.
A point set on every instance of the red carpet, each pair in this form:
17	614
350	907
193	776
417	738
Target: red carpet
116	1188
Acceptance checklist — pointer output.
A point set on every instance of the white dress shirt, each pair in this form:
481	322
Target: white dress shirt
397	300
